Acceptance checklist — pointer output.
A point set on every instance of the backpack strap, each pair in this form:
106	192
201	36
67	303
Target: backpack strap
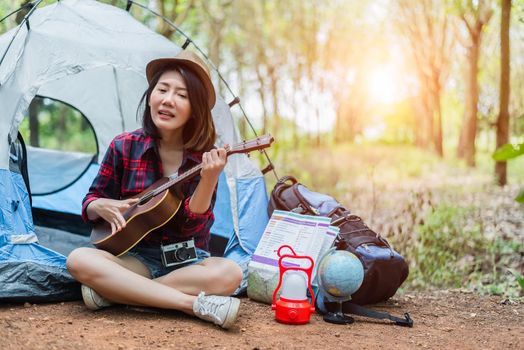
354	231
303	205
275	199
287	178
356	241
355	309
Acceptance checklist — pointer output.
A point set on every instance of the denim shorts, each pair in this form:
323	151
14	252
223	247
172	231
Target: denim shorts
151	258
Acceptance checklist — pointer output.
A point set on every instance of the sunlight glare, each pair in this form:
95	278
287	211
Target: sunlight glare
374	132
383	86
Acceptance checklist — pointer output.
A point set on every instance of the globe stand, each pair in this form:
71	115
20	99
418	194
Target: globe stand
338	317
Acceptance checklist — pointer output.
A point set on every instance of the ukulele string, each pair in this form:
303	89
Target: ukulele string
183	176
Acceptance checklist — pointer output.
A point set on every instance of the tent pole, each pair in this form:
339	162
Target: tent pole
186	44
24	21
29	4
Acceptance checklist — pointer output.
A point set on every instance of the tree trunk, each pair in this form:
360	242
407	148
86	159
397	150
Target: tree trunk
480	13
176	15
424	107
273	82
262	94
469	128
425	25
294	106
84	125
242	123
214	49
503	118
437	130
34	126
430	121
339	138
61	125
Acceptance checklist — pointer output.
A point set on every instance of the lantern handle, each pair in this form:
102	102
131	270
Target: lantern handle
308	271
285	246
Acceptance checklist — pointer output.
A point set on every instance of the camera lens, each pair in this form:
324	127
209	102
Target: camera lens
182	254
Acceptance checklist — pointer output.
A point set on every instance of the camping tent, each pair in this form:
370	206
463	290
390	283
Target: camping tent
90	56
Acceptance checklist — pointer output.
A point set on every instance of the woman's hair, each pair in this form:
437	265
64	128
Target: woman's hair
199	131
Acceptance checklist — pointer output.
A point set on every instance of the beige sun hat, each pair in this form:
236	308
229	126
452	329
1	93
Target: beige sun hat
190	60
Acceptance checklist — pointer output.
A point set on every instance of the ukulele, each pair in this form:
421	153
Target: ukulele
157	205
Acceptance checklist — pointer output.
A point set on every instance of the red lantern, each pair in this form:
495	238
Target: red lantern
293	306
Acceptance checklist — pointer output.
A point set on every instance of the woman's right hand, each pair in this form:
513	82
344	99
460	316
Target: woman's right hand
111	210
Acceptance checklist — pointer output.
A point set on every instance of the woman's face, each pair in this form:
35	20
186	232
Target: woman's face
169	102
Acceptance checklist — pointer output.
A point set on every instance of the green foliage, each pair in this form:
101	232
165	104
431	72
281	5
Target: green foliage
445	251
499	275
520	196
450	250
519	278
508	151
60	127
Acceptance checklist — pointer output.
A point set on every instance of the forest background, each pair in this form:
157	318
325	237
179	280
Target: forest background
394	107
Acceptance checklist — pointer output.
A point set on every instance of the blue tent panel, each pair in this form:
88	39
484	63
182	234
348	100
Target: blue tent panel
28	271
252	211
68	200
223	225
15	209
253	219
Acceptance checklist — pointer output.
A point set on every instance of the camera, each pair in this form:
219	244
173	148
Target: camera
179	253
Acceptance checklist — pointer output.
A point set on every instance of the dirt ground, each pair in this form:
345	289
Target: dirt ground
442	319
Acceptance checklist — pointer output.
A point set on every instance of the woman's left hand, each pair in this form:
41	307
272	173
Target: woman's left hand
213	162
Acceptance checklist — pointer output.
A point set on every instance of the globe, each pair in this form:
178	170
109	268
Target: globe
340	274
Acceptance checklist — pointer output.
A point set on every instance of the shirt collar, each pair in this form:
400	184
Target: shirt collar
149	142
193	155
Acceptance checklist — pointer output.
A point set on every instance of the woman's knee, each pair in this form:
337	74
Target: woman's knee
236	273
226	273
79	261
75	260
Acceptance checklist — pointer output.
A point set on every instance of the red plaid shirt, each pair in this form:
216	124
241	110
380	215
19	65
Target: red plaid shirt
130	165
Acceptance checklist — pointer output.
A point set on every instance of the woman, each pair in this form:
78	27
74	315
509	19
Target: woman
177	133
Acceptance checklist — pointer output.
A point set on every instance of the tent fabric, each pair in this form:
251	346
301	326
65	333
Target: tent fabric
42	176
68	200
72	55
33	273
92	56
15	210
28	271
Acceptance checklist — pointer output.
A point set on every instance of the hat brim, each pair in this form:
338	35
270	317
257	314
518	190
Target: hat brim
156	65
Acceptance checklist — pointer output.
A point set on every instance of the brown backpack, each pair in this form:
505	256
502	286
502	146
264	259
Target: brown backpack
384	269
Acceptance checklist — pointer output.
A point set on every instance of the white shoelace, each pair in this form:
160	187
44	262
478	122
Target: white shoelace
208	306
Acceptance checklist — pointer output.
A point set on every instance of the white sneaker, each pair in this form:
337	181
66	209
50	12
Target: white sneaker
220	310
93	300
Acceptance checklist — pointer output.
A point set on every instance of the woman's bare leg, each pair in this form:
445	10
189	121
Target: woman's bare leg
123	280
217	276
